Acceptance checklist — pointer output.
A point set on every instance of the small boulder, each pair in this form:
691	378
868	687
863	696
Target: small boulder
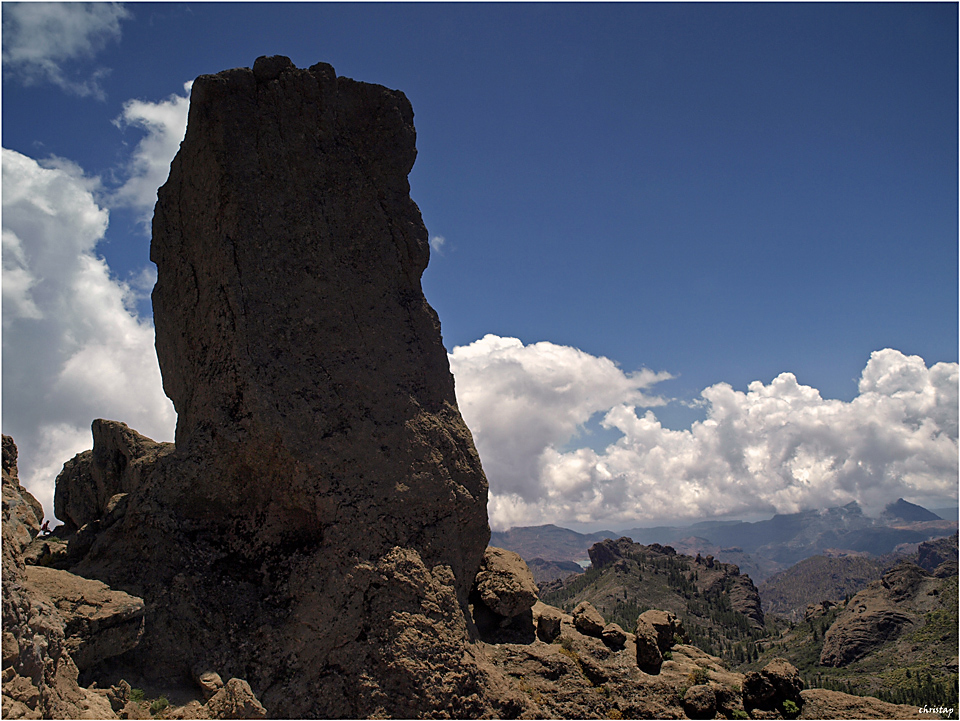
235	700
505	584
775	683
613	635
700	702
588	620
667	626
208	681
649	656
548	625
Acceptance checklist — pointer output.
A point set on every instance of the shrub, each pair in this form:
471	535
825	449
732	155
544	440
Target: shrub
159	705
790	708
136	695
698	677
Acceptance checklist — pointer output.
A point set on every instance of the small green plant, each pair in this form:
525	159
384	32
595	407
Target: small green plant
159	705
739	713
668	655
790	708
136	695
698	677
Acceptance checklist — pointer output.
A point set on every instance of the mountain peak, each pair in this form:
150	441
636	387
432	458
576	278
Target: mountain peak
906	511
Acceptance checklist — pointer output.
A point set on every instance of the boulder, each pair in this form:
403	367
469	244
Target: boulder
588	620
549	624
235	700
92	483
649	655
700	702
613	635
504	583
775	683
208	681
666	625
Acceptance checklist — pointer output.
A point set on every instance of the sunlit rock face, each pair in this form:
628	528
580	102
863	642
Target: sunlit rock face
319	526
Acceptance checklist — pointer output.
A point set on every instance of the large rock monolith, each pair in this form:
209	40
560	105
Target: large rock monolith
319	526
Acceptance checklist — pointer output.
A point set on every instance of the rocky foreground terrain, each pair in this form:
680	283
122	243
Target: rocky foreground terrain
315	543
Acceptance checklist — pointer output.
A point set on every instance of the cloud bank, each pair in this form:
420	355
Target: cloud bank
39	40
774	448
73	348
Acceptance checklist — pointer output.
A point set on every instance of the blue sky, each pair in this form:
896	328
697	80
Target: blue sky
717	193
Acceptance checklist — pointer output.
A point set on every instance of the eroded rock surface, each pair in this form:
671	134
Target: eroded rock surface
39	675
876	615
99	623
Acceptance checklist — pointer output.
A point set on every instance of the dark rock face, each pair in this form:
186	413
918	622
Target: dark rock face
306	367
319	526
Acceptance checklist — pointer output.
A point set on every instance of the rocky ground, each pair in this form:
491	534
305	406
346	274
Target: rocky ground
543	662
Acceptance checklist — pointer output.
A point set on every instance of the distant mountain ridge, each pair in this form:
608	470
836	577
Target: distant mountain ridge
548	542
759	548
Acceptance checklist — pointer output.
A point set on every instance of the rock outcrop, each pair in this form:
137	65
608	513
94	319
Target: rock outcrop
99	623
772	687
92	486
876	615
39	675
319	526
939	557
819	703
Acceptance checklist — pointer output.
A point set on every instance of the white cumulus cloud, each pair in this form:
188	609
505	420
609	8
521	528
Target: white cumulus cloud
774	448
73	348
165	124
40	39
523	402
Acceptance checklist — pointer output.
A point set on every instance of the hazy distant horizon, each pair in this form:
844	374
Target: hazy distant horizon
952	511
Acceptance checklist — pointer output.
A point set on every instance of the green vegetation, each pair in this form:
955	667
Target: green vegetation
790	709
647	579
911	670
159	705
136	695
